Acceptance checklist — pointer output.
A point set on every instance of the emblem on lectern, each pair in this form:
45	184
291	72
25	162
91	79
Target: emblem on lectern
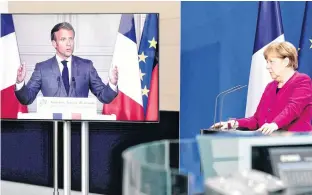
42	102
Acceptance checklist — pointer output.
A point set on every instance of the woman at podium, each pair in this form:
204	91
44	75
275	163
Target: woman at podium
286	102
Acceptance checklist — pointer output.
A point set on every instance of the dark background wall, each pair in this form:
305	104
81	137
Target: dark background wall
27	150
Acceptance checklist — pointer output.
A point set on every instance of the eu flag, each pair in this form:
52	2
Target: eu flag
305	47
148	62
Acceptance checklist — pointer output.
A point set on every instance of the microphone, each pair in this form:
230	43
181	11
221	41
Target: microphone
74	86
58	85
222	98
216	100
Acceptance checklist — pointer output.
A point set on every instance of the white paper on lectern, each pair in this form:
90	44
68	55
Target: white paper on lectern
64	105
66	116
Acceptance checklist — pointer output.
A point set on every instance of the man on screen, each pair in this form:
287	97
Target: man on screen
64	75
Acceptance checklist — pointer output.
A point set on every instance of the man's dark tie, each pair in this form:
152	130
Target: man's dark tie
65	76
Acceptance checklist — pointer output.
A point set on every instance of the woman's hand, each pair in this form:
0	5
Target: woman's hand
223	125
268	128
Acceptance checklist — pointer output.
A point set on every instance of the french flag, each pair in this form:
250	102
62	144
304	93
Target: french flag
9	64
269	29
128	103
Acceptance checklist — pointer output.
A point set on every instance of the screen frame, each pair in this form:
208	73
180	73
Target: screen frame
102	121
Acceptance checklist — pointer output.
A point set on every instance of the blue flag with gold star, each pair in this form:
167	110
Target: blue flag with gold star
148	62
305	47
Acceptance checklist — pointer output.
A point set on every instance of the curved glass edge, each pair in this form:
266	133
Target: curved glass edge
143	176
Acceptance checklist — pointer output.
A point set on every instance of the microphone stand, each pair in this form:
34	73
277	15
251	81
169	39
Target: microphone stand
84	148
222	100
55	140
216	100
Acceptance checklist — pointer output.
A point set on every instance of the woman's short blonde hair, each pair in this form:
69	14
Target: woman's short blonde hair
283	50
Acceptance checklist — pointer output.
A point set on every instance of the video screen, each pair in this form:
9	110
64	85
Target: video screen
89	67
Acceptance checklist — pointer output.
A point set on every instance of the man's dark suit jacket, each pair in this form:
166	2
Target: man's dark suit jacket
47	78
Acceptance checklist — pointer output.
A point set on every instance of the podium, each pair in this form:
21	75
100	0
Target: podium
67	110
